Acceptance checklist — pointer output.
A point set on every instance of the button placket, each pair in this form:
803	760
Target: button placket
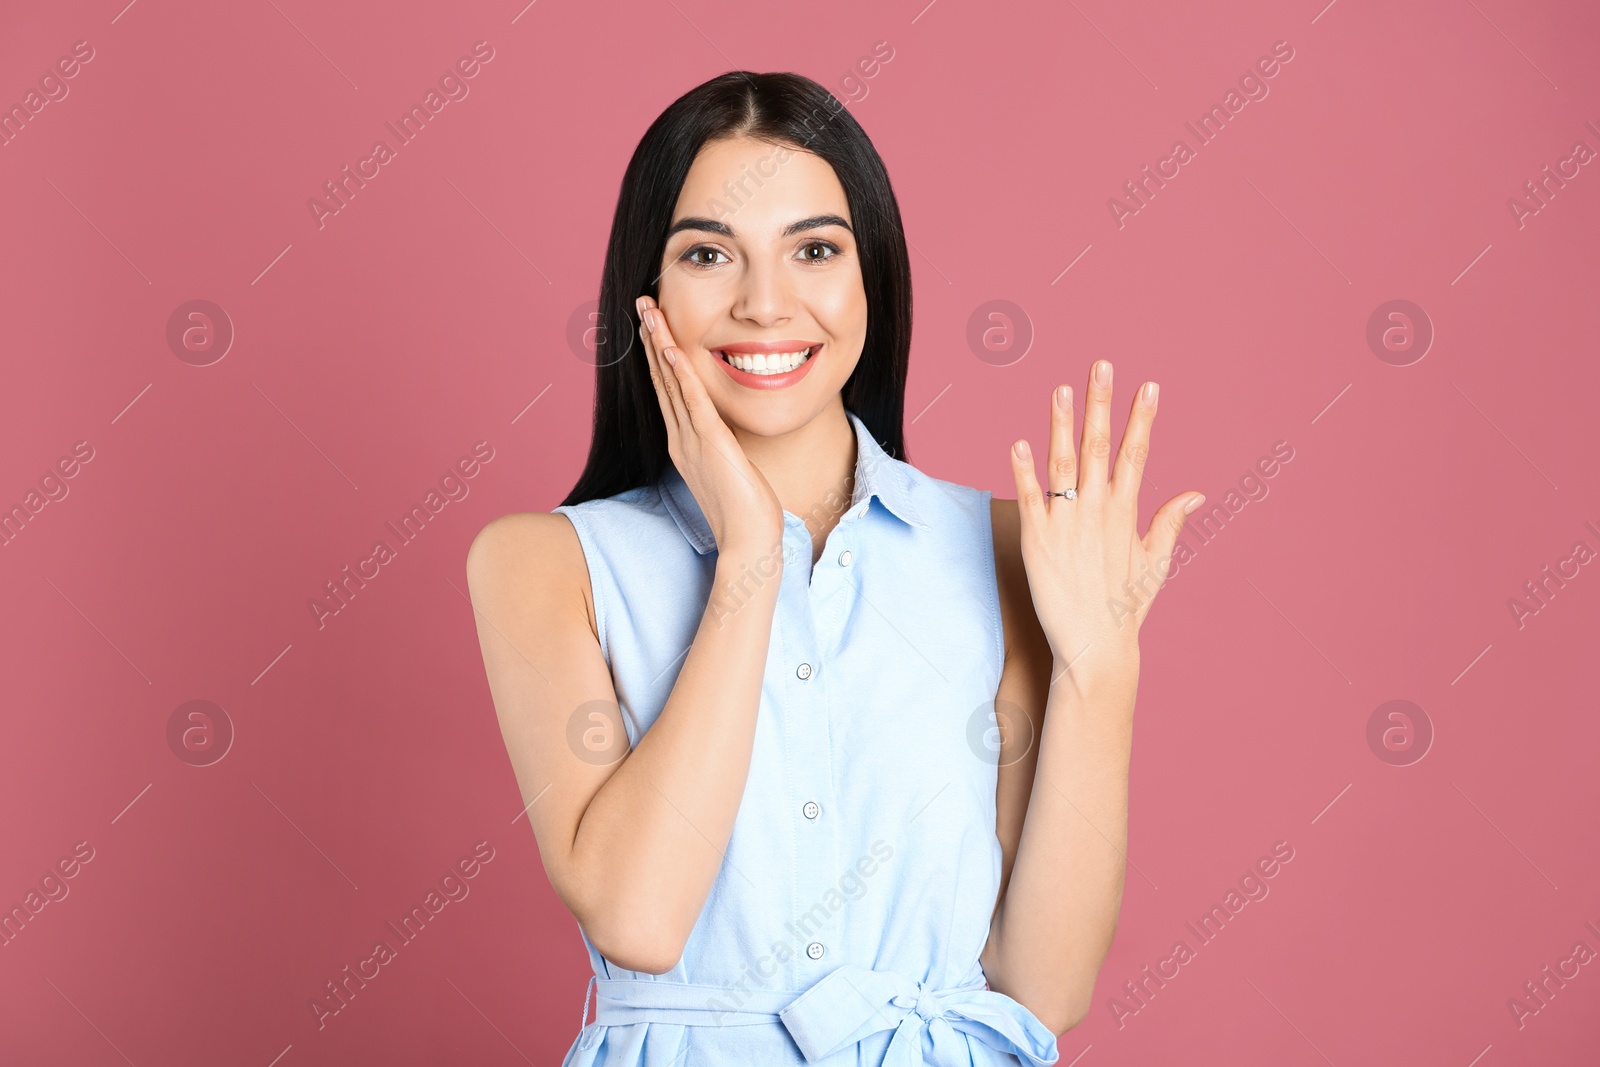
806	605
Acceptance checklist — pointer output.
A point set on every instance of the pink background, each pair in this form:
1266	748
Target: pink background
432	313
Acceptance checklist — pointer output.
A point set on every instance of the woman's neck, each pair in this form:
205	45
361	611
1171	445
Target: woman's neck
811	469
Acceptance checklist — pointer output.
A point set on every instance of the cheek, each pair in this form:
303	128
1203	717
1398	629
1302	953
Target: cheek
840	305
688	309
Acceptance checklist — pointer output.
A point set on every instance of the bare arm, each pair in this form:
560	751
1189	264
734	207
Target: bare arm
633	847
1090	580
1063	773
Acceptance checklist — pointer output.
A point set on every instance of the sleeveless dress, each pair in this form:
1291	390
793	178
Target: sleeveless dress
855	895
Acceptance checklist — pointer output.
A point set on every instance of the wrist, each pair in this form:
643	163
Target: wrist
763	554
1097	673
742	579
743	571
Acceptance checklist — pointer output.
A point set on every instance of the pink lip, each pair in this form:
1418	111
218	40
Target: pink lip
766	381
766	348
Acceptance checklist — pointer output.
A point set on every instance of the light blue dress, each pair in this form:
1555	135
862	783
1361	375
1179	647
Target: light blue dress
845	924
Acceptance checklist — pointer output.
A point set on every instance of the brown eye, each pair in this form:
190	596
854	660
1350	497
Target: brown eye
825	246
691	255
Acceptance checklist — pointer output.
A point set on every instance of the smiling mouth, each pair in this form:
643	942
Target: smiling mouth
767	364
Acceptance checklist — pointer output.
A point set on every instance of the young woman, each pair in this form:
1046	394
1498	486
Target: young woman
828	757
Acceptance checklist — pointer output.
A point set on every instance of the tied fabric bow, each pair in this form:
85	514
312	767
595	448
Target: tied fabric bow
854	1002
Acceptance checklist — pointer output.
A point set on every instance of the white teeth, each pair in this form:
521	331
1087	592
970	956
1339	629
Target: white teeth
774	363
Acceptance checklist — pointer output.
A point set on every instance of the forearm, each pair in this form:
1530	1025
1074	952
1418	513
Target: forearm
652	840
1056	921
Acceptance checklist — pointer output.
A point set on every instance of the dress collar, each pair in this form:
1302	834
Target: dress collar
893	482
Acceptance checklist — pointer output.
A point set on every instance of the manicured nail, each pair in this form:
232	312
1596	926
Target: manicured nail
1063	398
652	319
1194	502
638	306
1021	449
1102	372
1150	391
672	358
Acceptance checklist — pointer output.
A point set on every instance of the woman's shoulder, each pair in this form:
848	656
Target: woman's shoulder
524	541
556	528
529	558
511	535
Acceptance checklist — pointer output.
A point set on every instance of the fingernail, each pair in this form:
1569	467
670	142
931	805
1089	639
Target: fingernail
1021	449
651	319
1150	391
638	305
672	358
1063	397
1102	372
1193	503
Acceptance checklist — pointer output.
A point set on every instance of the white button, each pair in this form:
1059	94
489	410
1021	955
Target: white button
812	809
804	671
814	950
844	558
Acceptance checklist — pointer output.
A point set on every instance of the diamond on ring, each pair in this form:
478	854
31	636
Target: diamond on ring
1070	494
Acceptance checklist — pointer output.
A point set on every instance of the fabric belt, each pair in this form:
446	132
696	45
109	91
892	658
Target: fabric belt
844	1007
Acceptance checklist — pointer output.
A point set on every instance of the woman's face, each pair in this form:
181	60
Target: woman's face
767	262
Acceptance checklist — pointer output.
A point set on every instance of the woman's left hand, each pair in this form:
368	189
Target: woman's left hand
1091	575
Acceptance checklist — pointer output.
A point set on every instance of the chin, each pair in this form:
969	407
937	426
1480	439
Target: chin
767	416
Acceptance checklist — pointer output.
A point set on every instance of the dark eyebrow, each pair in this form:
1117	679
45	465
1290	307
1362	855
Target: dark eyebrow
694	222
816	222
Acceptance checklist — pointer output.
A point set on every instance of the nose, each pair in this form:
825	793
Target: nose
764	298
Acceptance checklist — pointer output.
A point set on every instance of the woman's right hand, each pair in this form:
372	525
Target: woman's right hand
738	502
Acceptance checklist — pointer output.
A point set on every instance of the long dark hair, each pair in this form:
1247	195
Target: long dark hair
629	445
